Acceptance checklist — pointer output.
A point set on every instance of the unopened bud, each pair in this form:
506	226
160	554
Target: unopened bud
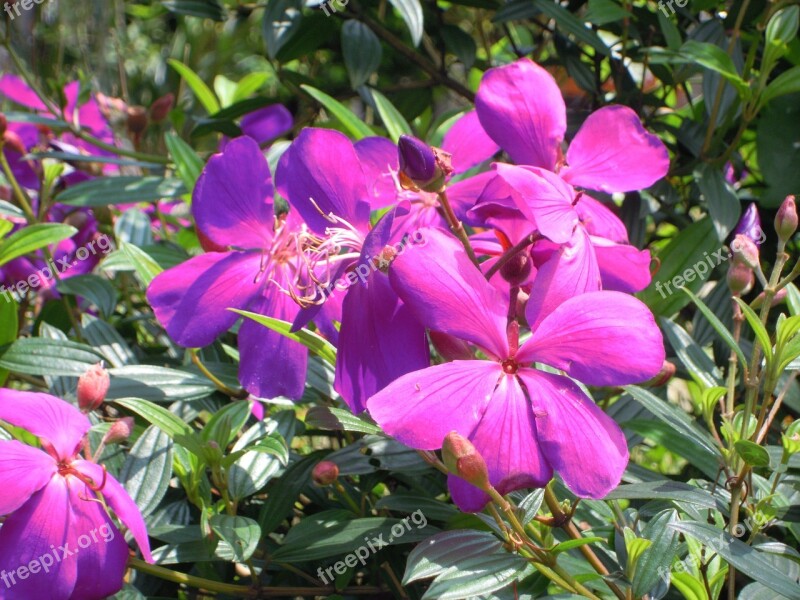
422	167
120	431
3	124
518	269
137	119
451	347
664	375
325	473
745	251
740	279
463	459
159	110
750	225
14	142
92	388
786	219
778	298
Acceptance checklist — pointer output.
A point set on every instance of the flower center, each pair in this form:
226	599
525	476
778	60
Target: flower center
510	366
65	469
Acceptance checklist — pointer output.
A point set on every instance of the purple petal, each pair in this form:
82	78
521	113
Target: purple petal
47	417
40	528
521	108
571	270
463	194
380	340
448	293
268	123
25	471
378	158
582	443
544	198
623	267
506	438
121	503
592	336
599	220
322	173
232	201
271	364
468	143
191	300
612	152
15	89
421	408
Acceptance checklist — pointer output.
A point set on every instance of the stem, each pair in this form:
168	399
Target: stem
456	227
241	394
22	197
511	253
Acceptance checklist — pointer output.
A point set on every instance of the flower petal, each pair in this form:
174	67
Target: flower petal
192	299
379	162
37	530
582	443
506	438
47	417
468	143
591	337
624	268
446	292
121	503
421	408
25	471
521	108
15	89
266	124
322	173
612	152
380	340
232	201
599	220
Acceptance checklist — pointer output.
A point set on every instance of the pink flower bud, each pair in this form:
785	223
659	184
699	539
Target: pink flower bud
740	279
120	431
325	473
517	270
159	110
422	167
463	459
745	251
92	388
786	219
664	375
137	119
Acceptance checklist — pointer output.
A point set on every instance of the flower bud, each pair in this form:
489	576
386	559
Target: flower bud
740	279
159	110
750	225
463	459
14	142
422	167
120	431
3	124
664	375
325	473
776	299
745	251
517	270
92	388
450	347
137	119
786	219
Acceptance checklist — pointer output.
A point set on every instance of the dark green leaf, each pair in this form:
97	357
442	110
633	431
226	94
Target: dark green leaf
207	9
752	453
42	356
361	49
188	163
121	190
148	469
241	534
93	288
281	21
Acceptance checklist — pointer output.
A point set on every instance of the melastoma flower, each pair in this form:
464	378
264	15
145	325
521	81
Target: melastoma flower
257	260
750	225
57	540
525	422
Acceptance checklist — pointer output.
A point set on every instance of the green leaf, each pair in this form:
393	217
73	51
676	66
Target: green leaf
167	422
445	550
782	27
197	85
601	12
316	343
752	453
723	205
158	384
241	534
395	123
97	290
43	356
361	49
357	128
664	435
741	556
787	82
758	328
32	238
206	9
569	23
282	18
148	469
571	544
655	561
723	332
460	43
188	163
337	419
134	227
696	361
147	268
283	492
716	59
9	326
121	190
226	423
411	11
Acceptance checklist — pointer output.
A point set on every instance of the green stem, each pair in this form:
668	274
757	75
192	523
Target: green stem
456	227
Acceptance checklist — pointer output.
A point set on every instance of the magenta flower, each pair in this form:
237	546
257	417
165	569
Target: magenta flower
257	261
264	125
58	541
527	423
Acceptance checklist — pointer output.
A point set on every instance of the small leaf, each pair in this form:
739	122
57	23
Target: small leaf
337	419
169	423
723	332
787	82
282	18
121	190
361	49
147	268
241	534
758	328
9	326
357	128
460	43
411	11
93	288
716	59
32	238
316	343
189	165
752	453
43	356
148	469
197	85
570	544
394	122
723	205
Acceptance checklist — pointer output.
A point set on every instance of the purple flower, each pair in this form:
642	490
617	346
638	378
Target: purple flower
525	422
750	225
233	209
265	124
55	516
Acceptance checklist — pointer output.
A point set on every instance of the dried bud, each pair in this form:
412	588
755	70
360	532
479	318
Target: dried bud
463	459
325	473
750	225
92	388
786	219
740	279
137	119
745	251
3	124
517	270
120	431
159	110
664	375
422	167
